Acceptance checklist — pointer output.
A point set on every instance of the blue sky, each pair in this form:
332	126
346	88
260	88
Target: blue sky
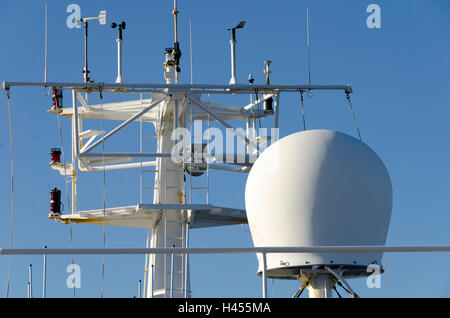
399	73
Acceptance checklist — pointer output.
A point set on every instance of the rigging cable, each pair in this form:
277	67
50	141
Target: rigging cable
300	291
347	95
348	291
303	109
104	196
334	287
67	189
12	190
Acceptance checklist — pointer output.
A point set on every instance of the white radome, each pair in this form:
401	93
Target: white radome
318	188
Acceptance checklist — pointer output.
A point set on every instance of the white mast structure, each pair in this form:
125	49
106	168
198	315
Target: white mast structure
171	106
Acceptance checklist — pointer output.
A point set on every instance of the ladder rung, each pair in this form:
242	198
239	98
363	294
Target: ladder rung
149	136
172	187
149	188
174	170
146	170
199	188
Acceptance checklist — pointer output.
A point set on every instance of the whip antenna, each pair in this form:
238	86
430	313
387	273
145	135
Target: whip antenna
190	51
308	47
176	53
45	44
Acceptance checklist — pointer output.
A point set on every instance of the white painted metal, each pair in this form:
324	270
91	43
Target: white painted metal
186	88
264	275
318	188
64	170
320	286
75	148
119	78
122	125
225	124
259	101
233	62
44	275
228	250
30	281
139	289
168	228
102	17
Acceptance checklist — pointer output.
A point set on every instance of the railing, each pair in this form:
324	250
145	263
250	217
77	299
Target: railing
227	250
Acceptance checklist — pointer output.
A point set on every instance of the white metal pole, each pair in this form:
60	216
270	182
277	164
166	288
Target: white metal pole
277	110
139	289
175	115
30	282
74	151
233	62
321	286
227	250
152	275
186	260
119	61
264	276
171	275
44	274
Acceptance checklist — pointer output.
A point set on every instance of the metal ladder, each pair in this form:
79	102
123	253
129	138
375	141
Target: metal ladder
149	172
204	187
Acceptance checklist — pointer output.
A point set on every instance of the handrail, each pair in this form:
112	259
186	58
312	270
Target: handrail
226	250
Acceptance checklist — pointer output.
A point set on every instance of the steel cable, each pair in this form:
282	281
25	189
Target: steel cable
12	190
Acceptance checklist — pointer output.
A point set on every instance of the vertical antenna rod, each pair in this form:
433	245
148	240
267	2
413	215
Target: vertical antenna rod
85	70
308	47
175	24
45	44
176	46
190	50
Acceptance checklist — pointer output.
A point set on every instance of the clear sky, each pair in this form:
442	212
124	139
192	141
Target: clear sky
399	73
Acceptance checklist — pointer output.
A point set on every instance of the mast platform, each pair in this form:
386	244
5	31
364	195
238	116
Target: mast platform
146	215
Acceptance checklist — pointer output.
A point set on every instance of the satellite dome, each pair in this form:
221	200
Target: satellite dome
318	188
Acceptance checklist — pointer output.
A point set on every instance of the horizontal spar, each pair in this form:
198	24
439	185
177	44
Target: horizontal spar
237	88
225	250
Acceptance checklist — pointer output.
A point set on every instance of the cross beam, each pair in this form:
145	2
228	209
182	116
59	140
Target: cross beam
151	87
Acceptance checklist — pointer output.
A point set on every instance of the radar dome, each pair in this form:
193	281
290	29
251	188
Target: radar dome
318	188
